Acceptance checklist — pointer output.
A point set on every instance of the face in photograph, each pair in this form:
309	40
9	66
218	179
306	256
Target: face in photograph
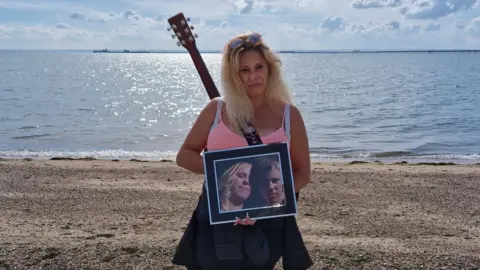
267	175
271	187
234	186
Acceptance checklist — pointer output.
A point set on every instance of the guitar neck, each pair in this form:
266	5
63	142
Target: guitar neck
205	76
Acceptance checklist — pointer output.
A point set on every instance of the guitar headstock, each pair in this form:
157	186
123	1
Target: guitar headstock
182	31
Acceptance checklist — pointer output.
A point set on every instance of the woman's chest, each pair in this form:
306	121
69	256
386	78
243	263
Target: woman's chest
265	125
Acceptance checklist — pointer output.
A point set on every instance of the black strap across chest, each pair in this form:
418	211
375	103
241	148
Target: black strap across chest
251	135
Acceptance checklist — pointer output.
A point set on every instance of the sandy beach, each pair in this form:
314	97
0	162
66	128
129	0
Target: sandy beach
102	214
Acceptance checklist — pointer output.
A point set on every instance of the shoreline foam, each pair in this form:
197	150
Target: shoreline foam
399	161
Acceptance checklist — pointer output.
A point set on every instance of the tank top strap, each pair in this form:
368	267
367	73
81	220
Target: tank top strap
218	114
286	120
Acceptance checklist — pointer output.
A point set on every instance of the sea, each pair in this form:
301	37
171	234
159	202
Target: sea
383	106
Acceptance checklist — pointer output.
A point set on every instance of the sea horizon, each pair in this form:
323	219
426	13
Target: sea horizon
357	107
117	50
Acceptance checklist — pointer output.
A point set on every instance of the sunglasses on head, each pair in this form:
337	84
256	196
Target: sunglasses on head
250	41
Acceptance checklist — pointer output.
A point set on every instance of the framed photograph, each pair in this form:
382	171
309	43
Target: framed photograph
257	180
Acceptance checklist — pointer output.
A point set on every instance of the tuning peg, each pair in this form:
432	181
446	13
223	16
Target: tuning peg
195	35
173	36
178	43
191	27
169	28
188	19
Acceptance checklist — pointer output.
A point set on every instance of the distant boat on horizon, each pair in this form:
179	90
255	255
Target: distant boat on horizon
124	51
304	51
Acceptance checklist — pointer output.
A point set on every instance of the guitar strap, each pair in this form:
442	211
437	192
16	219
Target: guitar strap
251	134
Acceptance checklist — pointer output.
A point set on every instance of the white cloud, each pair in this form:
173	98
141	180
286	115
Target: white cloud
63	26
333	23
49	37
419	9
77	15
191	8
364	4
286	24
28	5
473	28
432	27
434	9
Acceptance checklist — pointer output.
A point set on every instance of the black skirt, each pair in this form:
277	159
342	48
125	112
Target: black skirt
196	249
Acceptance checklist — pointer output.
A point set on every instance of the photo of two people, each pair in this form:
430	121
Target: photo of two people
250	183
256	181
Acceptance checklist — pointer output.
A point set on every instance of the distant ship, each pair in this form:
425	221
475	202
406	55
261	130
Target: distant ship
103	51
140	51
124	51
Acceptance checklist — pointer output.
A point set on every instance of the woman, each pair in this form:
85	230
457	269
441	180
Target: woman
254	92
234	186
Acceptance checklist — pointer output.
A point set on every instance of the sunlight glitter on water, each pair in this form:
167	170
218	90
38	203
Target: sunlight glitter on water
354	105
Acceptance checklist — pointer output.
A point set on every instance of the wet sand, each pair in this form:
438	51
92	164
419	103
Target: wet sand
101	214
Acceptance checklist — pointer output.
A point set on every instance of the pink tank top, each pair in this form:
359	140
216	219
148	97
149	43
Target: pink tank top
221	137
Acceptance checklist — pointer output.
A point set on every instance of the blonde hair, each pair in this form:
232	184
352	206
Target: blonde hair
239	107
226	180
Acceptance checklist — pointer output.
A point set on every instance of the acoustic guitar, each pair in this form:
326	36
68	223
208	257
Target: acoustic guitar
183	32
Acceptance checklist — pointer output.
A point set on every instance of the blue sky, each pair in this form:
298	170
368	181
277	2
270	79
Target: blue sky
286	24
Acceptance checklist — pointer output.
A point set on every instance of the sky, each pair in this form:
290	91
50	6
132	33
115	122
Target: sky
284	24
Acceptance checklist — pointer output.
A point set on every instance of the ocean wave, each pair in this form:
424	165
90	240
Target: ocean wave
393	156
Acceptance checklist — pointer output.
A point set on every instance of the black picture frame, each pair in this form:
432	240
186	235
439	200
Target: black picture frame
255	197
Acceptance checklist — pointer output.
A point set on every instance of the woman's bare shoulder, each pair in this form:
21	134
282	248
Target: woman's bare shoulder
212	105
296	117
206	115
295	109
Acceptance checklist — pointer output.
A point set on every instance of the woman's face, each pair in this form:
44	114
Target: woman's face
272	187
241	182
253	71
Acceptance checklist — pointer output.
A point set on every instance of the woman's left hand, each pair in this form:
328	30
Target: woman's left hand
246	221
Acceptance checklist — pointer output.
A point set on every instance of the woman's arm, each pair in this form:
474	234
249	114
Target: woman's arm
299	150
189	155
